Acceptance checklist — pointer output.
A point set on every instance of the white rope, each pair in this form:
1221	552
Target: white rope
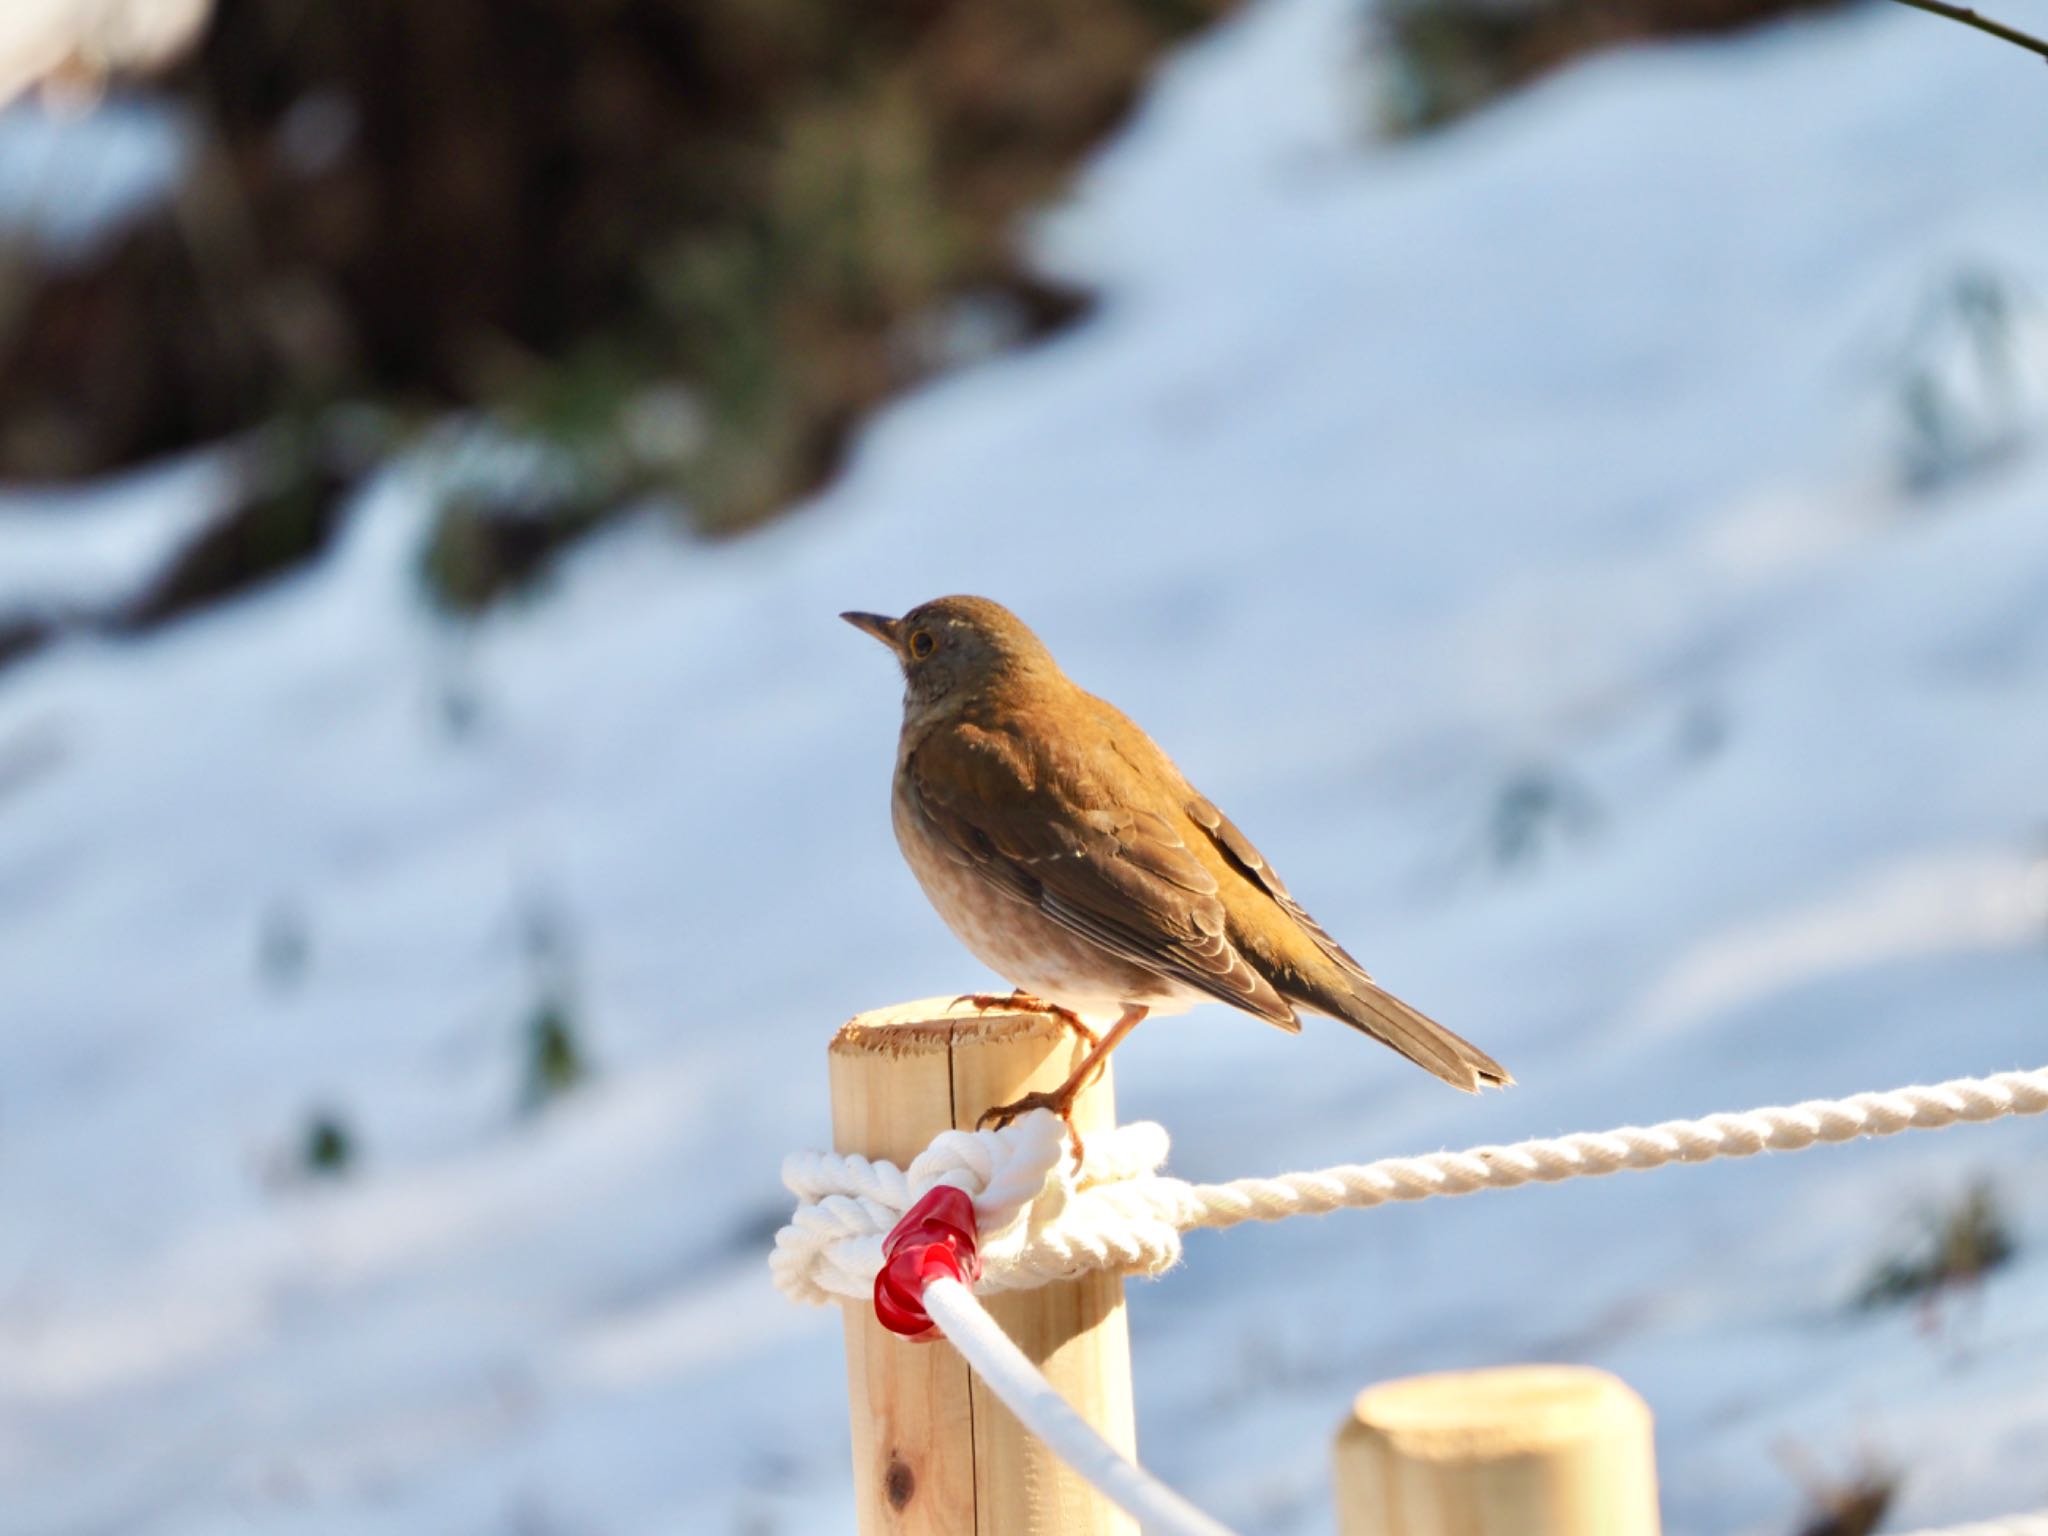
1041	1220
1160	1511
1040	1408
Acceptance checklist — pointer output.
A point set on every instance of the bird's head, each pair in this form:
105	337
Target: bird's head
954	649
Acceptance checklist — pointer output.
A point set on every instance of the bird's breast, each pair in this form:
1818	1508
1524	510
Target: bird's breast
1017	941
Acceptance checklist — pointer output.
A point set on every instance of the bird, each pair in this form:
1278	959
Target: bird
1070	855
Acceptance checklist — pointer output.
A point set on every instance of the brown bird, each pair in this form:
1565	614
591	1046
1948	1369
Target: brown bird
1066	851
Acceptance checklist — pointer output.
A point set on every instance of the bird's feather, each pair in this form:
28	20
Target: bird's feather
1047	827
1350	993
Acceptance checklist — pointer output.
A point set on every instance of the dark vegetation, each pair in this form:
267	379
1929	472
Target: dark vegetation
327	1148
1958	1244
1444	58
691	242
1536	812
1962	392
555	1061
1851	1506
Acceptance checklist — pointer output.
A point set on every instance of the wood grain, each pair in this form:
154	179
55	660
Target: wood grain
934	1454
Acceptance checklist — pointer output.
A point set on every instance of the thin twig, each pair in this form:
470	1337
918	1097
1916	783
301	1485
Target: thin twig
1970	18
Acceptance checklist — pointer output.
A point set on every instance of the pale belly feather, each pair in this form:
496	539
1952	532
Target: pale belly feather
1021	944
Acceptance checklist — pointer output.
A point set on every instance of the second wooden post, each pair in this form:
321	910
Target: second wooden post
1525	1450
934	1454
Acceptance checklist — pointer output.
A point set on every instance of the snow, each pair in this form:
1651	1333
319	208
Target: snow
88	549
1557	461
70	181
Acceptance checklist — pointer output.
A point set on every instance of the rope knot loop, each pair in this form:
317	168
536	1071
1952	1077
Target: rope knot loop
1037	1217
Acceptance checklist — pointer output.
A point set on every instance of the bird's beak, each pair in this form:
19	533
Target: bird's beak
888	631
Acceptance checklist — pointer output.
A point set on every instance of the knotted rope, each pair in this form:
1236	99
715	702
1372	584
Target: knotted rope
1042	1220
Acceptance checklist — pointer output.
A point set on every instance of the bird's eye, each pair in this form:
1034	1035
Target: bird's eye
921	643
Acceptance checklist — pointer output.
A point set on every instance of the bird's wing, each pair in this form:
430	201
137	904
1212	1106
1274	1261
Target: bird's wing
1350	993
1238	848
1044	825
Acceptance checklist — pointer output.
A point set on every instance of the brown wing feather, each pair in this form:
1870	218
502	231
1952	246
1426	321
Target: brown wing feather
1240	851
1048	826
1343	988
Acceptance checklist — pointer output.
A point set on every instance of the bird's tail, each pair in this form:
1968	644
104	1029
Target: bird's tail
1372	1009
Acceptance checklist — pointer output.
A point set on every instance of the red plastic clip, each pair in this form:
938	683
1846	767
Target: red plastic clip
935	1239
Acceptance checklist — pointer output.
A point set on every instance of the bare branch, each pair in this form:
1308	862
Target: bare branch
1970	18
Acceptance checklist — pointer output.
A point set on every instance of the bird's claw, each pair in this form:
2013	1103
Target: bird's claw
1024	1002
983	1001
997	1116
1060	1101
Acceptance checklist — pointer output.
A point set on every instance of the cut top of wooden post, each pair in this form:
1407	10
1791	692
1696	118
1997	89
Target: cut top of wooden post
947	1061
935	1023
1530	1450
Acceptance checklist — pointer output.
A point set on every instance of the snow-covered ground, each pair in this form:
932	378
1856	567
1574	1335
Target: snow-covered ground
88	549
1561	462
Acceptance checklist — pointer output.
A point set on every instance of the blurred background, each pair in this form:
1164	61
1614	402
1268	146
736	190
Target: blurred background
1568	476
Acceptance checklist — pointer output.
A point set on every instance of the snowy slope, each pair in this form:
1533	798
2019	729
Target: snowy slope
87	550
1563	450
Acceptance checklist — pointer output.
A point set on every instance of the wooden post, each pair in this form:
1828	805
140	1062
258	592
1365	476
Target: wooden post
1529	1450
934	1454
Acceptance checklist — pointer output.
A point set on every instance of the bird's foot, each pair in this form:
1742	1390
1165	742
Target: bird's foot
1059	1100
1024	1002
